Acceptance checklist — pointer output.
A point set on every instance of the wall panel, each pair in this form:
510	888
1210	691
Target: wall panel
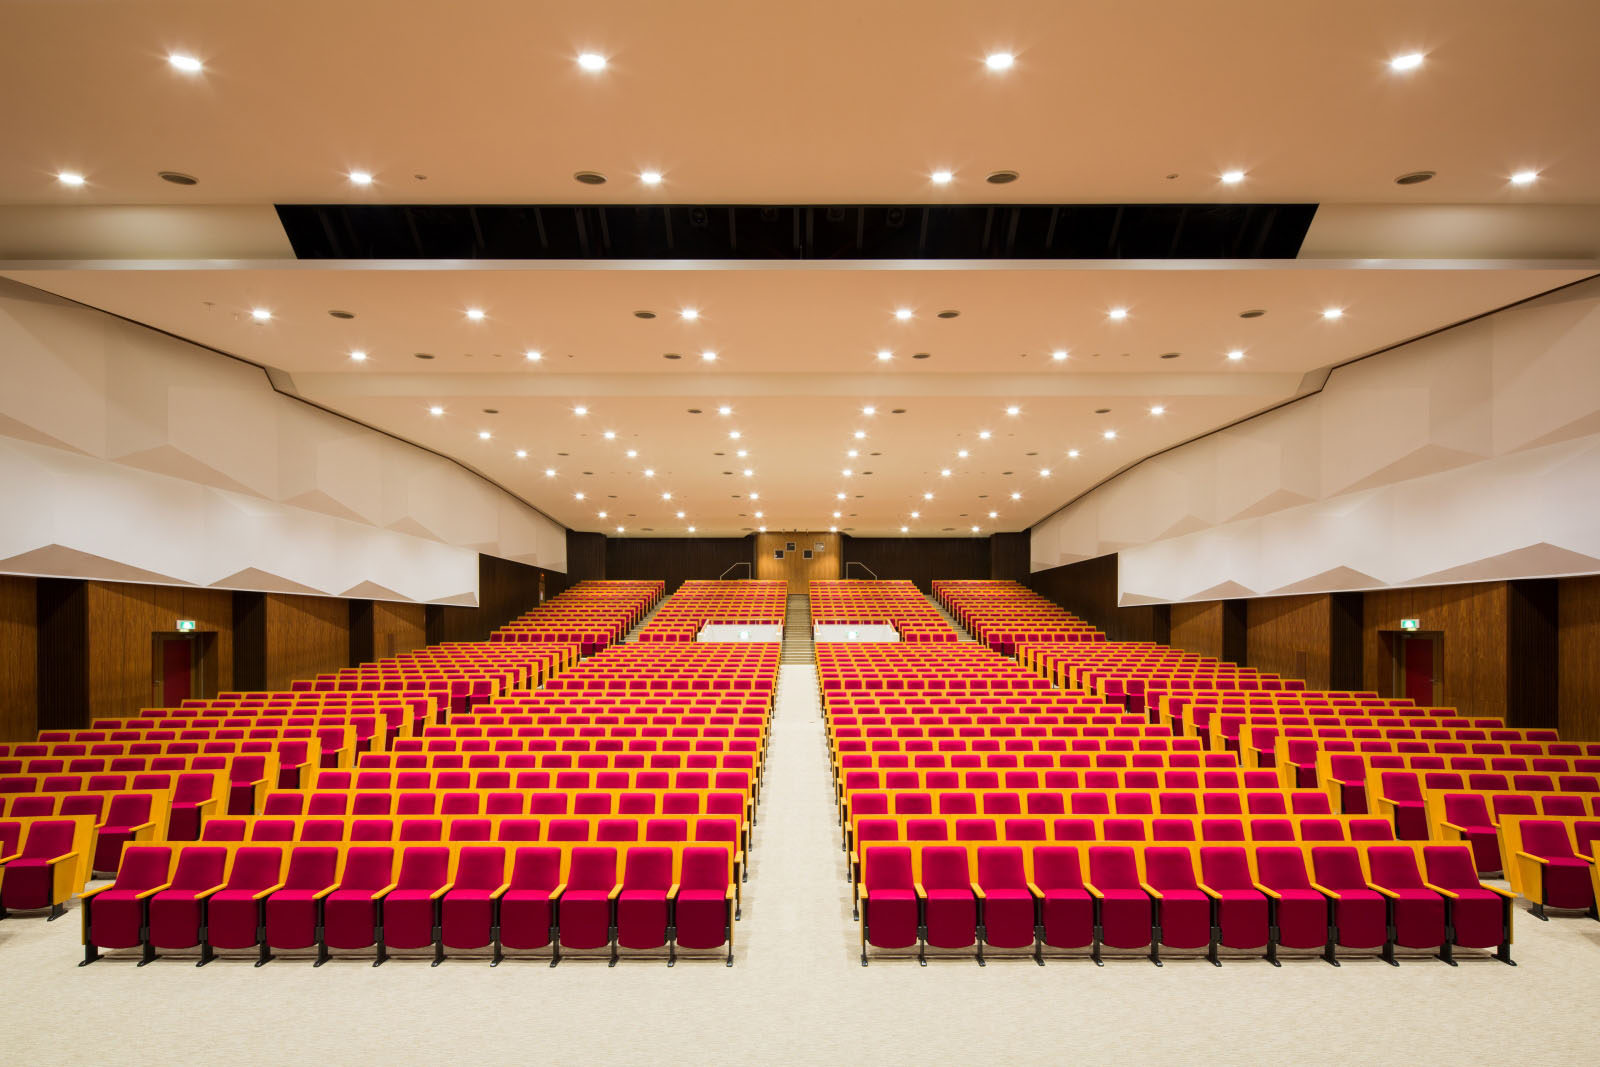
306	636
1472	619
794	568
1198	627
63	613
917	559
1088	589
1579	657
675	560
396	628
19	654
122	619
1290	636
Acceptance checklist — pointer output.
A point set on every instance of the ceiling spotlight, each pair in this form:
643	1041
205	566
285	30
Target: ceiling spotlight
945	473
1059	355
1044	473
601	514
734	434
1016	496
650	177
905	529
436	410
549	472
577	496
869	410
974	529
961	454
1525	177
68	177
748	473
680	514
1110	435
1333	313
522	453
999	60
838	496
860	434
610	435
483	435
1408	61
1013	410
475	314
742	453
853	454
261	314
994	514
633	453
755	496
1118	313
534	355
902	314
691	529
983	435
360	177
648	473
667	496
708	356
837	514
1236	354
916	514
1072	454
690	314
1232	177
884	355
941	177
580	410
927	496
592	61
1157	409
359	356
833	529
847	472
724	410
761	514
187	64
761	529
619	529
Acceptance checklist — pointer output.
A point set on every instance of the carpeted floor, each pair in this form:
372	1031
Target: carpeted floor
797	993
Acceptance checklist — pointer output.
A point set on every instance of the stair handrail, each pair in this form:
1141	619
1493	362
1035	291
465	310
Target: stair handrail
863	566
741	563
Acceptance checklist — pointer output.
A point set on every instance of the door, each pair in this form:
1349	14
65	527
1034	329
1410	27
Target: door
1419	669
177	671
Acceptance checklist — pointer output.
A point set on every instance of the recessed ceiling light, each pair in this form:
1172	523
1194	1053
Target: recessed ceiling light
748	473
1072	453
838	514
436	410
859	434
905	529
187	64
1118	313
709	356
580	410
1232	177
691	529
690	314
650	177
1158	410
724	410
734	434
577	496
884	355
869	410
359	356
1013	410
601	514
633	453
962	454
1333	313
761	529
649	473
1110	435
742	453
522	453
761	514
927	496
999	60
974	529
549	472
1236	354
68	177
853	453
620	529
838	496
534	355
1406	61
1059	355
483	435
360	177
846	472
475	314
994	514
260	314
902	314
755	496
983	435
668	496
1525	177
945	473
1016	496
1044	473
941	177
592	61
916	514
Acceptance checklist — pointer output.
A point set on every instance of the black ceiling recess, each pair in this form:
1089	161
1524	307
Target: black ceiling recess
965	231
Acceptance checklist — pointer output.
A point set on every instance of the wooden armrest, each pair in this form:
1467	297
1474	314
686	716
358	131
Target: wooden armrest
1208	891
1540	860
1094	892
1036	891
1450	894
558	890
861	892
441	891
728	894
922	894
319	894
1453	826
977	891
616	891
385	891
219	887
86	894
672	890
499	891
152	891
267	892
142	826
1390	893
53	860
1152	890
209	802
1325	891
1581	856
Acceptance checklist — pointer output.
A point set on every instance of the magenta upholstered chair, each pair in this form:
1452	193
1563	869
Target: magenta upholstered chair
1301	917
1221	804
568	830
1476	915
1372	828
468	910
521	829
702	910
666	829
1067	912
1047	804
1400	791
1266	804
470	829
223	828
890	916
1553	874
1182	909
1091	803
127	815
1270	828
1178	804
617	830
408	915
950	909
1133	804
192	803
642	906
177	915
913	803
1307	802
1349	773
1468	815
1006	908
1239	907
1126	912
1416	912
272	829
329	828
245	775
350	914
295	804
1221	829
236	914
1360	913
425	828
294	912
587	919
118	915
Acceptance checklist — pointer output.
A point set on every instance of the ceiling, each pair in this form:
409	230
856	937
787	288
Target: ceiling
852	103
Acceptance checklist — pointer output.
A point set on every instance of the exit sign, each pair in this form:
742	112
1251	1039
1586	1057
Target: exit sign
1410	624
185	625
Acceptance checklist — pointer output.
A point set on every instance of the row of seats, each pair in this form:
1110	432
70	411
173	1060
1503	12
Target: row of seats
1003	614
697	603
43	862
508	802
898	604
592	614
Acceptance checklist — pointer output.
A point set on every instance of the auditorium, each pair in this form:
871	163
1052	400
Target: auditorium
859	531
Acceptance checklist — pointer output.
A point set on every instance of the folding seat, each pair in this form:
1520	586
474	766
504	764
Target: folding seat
1266	804
460	804
1466	815
1269	828
1578	783
975	830
1476	915
1505	804
1061	778
567	829
1400	796
927	830
998	803
1416	911
1360	913
1125	911
1123	829
1305	802
1299	915
1329	829
234	917
1373	829
890	911
586	919
547	803
1349	775
333	829
528	910
81	804
1090	804
949	906
176	916
913	803
118	915
267	828
422	829
1240	910
353	912
1180	779
1553	874
406	916
1178	804
295	804
1487	782
293	914
1023	829
1182	911
1561	806
1046	804
702	903
127	819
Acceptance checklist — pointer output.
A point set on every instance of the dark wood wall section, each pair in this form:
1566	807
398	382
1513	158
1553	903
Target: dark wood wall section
1088	589
361	635
506	589
249	641
1290	636
1235	631
1472	620
63	656
1344	641
1533	675
396	628
306	636
794	568
1579	657
586	556
678	559
19	658
917	559
1009	557
1198	627
123	619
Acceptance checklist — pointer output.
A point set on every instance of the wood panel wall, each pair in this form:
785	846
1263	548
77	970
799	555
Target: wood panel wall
586	556
1579	644
799	572
1088	589
19	658
306	636
1008	556
1198	626
123	617
1472	618
63	653
917	559
1291	636
506	589
675	560
397	628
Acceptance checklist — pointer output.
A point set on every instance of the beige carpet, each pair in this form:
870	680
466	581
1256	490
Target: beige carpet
797	993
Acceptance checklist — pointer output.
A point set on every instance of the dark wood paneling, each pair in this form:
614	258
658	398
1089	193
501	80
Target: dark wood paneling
19	658
1088	589
1344	641
249	641
306	636
675	560
63	613
1008	556
794	568
506	589
1235	631
586	556
1289	636
396	628
361	637
917	559
1198	627
123	619
1471	617
1579	657
1532	650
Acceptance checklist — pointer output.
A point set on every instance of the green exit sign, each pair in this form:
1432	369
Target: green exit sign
185	625
1410	624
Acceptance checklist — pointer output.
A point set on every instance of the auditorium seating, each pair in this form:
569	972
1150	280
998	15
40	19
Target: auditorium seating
696	604
590	614
1003	615
864	603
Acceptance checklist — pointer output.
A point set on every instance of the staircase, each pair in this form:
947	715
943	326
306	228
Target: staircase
797	647
633	634
956	626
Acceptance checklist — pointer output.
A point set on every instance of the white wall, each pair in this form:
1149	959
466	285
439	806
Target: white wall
132	456
1472	455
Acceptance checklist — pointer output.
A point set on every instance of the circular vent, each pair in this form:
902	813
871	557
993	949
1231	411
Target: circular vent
177	177
422	355
1253	313
1002	177
1171	355
922	355
343	314
589	177
644	314
1416	177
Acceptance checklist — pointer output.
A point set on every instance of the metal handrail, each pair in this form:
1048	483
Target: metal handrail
863	566
742	563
